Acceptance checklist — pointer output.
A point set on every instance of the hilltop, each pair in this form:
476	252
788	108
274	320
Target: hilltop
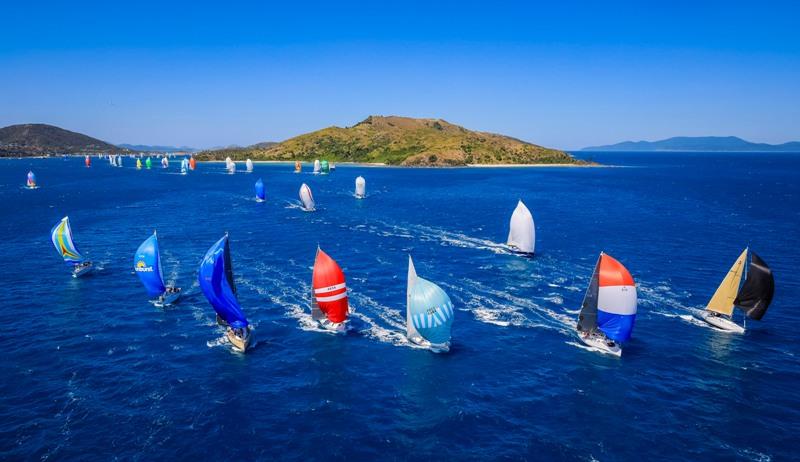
44	140
699	143
400	141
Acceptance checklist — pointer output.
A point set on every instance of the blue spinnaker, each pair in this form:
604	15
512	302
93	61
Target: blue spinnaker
431	311
260	195
216	280
147	264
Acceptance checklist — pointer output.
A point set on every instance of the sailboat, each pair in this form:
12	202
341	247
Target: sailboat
138	164
87	161
609	307
184	166
30	183
333	166
61	235
260	194
297	167
324	167
316	166
192	163
522	232
361	187
148	163
119	161
230	165
216	281
329	305
147	264
753	297
429	313
307	198
249	166
165	162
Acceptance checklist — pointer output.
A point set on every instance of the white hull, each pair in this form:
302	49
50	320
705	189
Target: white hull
168	298
600	343
82	270
433	347
335	327
517	251
722	323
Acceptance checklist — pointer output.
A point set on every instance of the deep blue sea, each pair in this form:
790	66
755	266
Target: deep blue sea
92	371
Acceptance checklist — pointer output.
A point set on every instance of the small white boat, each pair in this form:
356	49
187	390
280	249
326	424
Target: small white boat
752	298
249	166
317	167
307	199
522	232
361	187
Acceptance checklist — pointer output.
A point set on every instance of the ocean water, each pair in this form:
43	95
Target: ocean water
92	371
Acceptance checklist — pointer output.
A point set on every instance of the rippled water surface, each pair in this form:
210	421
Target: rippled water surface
92	371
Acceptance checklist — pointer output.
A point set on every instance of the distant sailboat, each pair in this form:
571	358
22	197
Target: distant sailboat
333	166
260	194
329	305
31	181
216	281
609	307
307	198
164	162
61	235
325	168
249	166
316	166
361	187
297	167
147	264
753	297
148	163
522	232
87	161
192	163
230	165
138	164
119	161
184	166
429	313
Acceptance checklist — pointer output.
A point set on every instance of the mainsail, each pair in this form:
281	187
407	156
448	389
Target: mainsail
216	280
249	165
361	187
307	198
522	232
328	289
165	161
723	299
429	311
610	301
316	166
147	264
230	165
61	235
758	288
260	194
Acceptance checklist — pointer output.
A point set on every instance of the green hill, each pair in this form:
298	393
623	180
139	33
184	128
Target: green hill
43	140
401	141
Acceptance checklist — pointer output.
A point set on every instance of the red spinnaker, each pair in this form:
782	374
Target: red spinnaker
329	287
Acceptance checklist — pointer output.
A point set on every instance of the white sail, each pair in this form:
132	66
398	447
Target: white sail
249	165
165	162
361	187
307	198
230	165
522	232
317	166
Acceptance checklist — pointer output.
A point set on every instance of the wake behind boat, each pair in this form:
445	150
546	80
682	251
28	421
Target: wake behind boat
61	236
329	304
608	310
522	232
147	264
429	313
753	297
216	281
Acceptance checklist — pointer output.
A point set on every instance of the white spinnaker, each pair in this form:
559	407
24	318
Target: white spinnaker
249	165
411	331
306	197
317	166
522	232
361	187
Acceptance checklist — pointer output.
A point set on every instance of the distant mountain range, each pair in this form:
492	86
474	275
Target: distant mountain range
698	143
46	140
397	140
156	148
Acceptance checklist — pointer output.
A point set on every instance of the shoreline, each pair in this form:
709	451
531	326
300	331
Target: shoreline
381	164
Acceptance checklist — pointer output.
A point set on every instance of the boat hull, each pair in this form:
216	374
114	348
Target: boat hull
722	323
168	298
79	271
239	343
433	347
600	343
335	327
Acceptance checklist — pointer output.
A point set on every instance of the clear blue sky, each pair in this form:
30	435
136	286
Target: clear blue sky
561	74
